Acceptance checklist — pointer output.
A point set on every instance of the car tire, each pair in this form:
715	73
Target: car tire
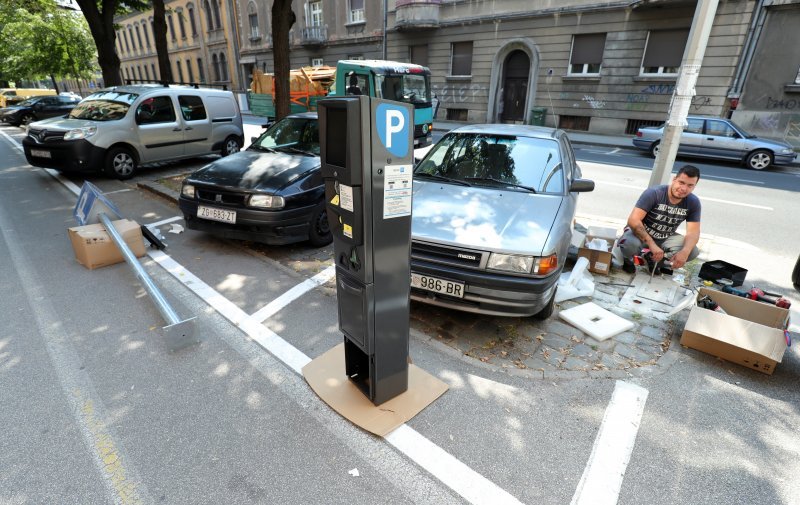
26	119
548	309
760	159
231	146
796	275
655	148
319	231
120	163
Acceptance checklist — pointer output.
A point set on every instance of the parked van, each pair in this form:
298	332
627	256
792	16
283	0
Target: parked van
118	129
11	96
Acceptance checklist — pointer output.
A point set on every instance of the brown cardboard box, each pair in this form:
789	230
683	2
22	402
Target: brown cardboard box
599	261
750	334
94	247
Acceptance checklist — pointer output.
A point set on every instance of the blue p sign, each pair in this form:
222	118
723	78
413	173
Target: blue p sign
393	123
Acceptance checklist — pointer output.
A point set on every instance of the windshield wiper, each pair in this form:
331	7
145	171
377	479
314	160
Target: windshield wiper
298	150
263	148
442	178
498	181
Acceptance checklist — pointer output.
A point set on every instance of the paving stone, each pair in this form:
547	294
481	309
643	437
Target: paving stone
650	347
613	361
556	342
653	333
605	299
549	355
531	332
600	345
632	353
562	329
627	337
567	304
582	351
573	363
538	364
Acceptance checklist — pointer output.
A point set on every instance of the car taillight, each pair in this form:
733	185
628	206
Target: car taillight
638	134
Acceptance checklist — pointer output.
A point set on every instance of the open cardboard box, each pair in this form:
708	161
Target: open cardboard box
95	248
599	261
750	334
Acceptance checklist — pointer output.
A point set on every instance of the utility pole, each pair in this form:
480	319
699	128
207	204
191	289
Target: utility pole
385	16
684	91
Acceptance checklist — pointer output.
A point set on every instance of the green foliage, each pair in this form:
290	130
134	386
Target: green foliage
43	39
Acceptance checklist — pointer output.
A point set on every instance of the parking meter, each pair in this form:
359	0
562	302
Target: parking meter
367	162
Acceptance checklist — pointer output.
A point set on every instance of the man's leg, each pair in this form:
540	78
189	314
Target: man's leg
674	243
630	245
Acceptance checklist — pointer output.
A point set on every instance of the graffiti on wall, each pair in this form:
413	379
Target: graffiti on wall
782	104
593	102
637	101
658	89
792	134
453	93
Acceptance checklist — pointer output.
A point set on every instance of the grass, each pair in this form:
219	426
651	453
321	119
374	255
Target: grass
173	183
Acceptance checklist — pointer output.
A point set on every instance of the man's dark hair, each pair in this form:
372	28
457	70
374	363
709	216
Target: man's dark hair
690	171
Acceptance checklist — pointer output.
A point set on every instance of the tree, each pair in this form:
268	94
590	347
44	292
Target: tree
283	18
160	39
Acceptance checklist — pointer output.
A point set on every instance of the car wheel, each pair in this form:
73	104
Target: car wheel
120	163
796	275
655	148
547	311
319	231
759	160
26	119
231	146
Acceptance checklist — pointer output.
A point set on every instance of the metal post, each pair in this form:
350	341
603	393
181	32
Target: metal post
684	91
179	333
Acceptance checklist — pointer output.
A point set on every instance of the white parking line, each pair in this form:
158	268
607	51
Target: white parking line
164	221
602	477
296	292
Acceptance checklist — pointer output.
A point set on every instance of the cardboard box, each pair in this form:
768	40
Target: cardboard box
94	247
750	334
599	261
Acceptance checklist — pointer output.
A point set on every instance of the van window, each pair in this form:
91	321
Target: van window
221	107
192	108
157	109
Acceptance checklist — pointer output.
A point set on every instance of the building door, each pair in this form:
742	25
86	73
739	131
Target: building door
515	86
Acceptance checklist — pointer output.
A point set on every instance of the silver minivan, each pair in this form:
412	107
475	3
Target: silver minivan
116	130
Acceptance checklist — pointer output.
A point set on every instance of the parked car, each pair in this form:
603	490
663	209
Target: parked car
722	139
118	129
493	207
36	108
272	192
12	96
796	275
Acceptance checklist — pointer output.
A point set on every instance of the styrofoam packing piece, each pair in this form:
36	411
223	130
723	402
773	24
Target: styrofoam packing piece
595	321
597	244
583	282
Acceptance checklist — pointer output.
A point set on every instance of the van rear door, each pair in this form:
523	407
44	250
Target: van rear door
197	124
160	133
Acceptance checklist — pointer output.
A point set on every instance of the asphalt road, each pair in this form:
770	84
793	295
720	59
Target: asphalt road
95	409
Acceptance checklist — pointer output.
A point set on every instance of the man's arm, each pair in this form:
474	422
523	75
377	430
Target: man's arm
691	239
636	224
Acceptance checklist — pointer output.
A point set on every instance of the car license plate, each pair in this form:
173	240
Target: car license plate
40	154
437	285
213	214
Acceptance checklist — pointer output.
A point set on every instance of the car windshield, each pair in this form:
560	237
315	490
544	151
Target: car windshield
744	132
28	102
291	134
510	162
409	88
99	110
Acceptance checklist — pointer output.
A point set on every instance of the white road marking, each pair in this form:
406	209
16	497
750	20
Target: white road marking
296	292
164	221
602	477
704	199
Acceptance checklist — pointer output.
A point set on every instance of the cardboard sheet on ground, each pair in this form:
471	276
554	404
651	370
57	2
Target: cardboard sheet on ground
660	297
326	376
595	321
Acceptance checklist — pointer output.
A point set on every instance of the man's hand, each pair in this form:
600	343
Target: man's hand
657	252
679	259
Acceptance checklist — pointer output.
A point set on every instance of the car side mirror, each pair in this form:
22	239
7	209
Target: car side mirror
581	186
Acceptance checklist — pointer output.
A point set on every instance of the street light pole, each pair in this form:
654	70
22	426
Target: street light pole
684	91
385	16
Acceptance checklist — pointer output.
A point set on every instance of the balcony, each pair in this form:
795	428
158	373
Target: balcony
314	35
417	14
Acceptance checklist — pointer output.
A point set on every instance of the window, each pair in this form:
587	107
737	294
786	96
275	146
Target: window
189	70
215	10
146	35
580	123
130	35
355	12
252	16
461	58
418	54
215	66
355	56
146	73
209	15
316	62
314	13
797	79
664	51
139	72
127	45
192	24
158	109
200	73
587	53
179	70
155	74
127	75
719	129
192	108
223	67
457	114
139	38
171	28
181	23
694	126
357	84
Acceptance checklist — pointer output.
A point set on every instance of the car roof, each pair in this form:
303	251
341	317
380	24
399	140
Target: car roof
541	132
304	115
143	89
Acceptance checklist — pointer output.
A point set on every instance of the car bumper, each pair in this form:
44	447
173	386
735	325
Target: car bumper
279	227
487	293
66	155
784	159
642	144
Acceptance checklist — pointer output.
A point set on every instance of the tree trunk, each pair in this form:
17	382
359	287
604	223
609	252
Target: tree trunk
282	20
55	84
101	25
160	39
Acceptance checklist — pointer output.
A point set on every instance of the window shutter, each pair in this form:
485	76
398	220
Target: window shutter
665	48
588	48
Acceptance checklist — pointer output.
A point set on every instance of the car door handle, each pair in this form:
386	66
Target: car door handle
710	138
188	128
176	129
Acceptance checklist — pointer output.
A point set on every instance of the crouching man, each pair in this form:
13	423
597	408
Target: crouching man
658	213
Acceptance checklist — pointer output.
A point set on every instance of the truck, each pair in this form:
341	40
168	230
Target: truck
392	80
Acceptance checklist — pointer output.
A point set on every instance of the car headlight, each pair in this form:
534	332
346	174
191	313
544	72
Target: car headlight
787	150
80	133
187	190
510	263
266	201
545	265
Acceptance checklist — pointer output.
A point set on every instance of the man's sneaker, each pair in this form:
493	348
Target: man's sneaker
628	266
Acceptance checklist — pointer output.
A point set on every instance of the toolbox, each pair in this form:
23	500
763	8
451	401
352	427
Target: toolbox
719	269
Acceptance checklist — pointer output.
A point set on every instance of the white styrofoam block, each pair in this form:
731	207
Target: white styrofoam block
595	321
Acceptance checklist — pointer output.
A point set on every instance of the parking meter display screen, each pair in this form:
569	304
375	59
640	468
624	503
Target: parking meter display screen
336	137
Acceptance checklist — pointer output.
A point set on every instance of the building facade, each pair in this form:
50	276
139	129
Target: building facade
201	40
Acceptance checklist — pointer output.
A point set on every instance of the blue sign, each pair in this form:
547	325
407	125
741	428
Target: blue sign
393	125
92	201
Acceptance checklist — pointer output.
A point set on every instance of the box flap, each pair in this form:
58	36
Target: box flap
757	312
602	232
326	376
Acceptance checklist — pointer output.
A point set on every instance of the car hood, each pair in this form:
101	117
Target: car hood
255	170
483	218
775	144
63	124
